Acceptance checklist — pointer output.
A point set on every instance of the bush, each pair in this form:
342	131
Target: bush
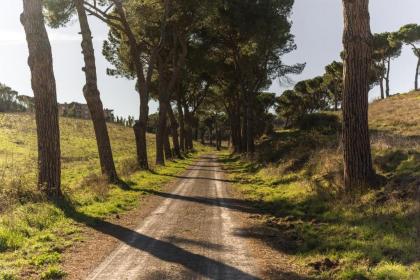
53	272
328	123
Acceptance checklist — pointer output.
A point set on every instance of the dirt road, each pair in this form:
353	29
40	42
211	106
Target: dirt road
192	234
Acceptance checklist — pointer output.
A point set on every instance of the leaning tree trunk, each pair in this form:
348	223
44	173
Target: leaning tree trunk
388	71
357	40
44	88
93	100
174	132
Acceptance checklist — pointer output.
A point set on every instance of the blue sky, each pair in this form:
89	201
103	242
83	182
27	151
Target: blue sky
317	26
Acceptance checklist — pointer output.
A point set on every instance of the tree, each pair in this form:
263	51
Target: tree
131	56
333	82
59	12
386	47
248	40
357	41
44	88
410	35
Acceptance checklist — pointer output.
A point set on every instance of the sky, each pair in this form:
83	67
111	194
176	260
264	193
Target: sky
317	26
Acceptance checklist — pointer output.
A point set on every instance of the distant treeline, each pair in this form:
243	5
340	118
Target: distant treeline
11	101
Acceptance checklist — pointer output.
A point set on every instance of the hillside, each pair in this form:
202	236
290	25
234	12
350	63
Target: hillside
308	219
35	233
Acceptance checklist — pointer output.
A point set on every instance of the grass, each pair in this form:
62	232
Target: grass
33	232
297	182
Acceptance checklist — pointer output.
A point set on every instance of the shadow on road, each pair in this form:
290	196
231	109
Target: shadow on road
230	203
162	250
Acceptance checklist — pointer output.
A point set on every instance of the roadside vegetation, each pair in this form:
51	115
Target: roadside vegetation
35	232
296	180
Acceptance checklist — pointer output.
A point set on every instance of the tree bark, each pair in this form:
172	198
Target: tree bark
93	100
181	126
381	86
174	132
167	144
160	134
45	94
416	81
357	41
250	146
188	129
388	71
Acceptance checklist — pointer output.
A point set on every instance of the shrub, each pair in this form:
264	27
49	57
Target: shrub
328	123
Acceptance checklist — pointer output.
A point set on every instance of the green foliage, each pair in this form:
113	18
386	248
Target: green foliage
324	122
58	12
11	101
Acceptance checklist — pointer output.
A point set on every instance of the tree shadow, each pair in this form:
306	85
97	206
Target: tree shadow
198	178
162	250
198	243
230	203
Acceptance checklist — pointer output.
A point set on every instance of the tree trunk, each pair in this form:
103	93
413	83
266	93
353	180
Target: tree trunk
388	71
93	100
44	88
188	129
250	147
140	131
416	81
174	132
381	85
160	134
181	126
167	144
357	41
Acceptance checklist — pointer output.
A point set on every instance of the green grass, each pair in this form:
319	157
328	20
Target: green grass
297	183
33	232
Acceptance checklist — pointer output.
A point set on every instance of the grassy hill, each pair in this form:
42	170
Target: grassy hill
33	232
297	182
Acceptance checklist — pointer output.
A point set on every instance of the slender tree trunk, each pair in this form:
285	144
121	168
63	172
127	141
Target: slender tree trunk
388	71
203	135
174	132
44	88
416	81
188	128
181	126
357	40
160	134
244	138
250	147
167	144
93	100
381	85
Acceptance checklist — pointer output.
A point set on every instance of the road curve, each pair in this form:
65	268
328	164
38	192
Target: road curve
190	235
